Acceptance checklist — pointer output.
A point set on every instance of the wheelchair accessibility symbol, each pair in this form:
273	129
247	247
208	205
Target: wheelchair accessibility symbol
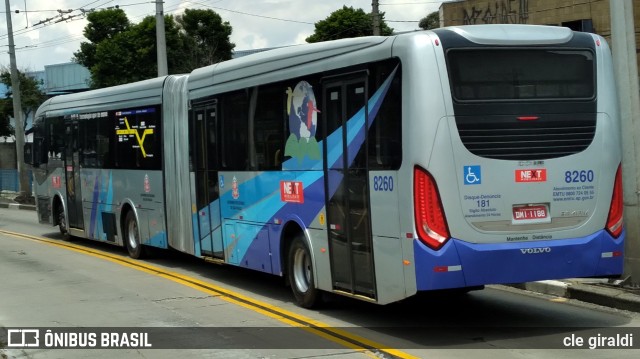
472	175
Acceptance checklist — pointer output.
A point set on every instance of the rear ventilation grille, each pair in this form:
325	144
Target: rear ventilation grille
507	138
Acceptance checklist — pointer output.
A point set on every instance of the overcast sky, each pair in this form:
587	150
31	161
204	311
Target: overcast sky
256	23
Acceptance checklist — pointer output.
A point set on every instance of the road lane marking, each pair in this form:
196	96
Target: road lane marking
342	337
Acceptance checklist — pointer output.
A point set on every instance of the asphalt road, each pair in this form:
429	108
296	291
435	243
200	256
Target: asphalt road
235	313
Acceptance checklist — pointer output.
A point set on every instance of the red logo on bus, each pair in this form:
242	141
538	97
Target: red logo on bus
235	191
147	185
56	182
292	191
532	175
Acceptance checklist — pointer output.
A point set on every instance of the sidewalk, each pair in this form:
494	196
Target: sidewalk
7	200
605	292
613	294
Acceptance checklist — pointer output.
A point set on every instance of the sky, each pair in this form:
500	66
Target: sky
256	23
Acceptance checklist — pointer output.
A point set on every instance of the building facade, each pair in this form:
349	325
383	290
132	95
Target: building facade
580	15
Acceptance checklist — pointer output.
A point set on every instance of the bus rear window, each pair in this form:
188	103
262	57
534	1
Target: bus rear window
515	74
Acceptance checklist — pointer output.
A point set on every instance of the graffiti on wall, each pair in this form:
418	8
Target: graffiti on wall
498	12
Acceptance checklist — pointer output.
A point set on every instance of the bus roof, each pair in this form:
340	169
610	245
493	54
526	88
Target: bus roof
141	93
290	61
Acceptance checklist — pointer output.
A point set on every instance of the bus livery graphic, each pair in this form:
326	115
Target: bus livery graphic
303	123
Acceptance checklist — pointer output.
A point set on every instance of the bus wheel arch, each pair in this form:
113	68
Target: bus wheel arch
297	264
130	229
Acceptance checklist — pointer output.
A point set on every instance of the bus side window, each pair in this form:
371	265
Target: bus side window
89	132
234	110
268	127
38	155
55	133
385	144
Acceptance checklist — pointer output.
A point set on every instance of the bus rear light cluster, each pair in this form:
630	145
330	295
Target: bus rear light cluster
614	221
431	223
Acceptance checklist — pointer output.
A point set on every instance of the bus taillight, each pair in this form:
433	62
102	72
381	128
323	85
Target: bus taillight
431	223
614	221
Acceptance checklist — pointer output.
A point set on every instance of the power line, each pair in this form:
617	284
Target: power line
70	38
59	18
412	3
249	14
18	11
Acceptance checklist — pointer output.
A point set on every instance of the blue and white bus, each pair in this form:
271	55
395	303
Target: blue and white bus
374	167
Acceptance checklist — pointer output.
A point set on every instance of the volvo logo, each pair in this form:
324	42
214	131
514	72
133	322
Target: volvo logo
535	250
575	213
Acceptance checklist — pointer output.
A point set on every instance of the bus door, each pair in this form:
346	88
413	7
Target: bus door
207	190
72	175
346	186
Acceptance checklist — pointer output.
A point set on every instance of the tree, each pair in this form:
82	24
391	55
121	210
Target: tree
347	22
431	21
128	53
102	25
30	93
5	116
206	36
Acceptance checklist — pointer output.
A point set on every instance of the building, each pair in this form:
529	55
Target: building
580	15
55	80
66	78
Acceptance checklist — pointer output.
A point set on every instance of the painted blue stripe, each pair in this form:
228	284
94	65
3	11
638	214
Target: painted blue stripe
101	201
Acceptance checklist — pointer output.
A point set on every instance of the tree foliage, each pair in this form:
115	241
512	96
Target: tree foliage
102	25
118	55
5	126
347	22
431	21
207	37
31	97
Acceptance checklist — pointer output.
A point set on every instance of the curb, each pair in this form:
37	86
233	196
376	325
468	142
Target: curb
28	207
591	293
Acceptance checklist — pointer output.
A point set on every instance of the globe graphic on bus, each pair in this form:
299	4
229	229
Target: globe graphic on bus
303	122
302	111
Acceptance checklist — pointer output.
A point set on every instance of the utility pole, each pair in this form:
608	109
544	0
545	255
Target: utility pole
161	41
626	72
376	18
17	107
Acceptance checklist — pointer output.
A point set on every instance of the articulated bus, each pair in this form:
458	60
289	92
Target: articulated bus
374	167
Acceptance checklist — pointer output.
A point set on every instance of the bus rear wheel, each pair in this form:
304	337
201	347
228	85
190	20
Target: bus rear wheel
132	236
62	225
300	272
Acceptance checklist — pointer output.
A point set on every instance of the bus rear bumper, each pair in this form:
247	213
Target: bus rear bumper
464	264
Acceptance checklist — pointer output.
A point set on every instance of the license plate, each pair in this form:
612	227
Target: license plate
536	213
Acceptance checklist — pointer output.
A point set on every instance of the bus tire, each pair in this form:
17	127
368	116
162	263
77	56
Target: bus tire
132	236
63	226
300	272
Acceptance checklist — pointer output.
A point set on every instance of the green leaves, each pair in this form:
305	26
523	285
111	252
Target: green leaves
347	22
431	21
6	110
30	94
207	37
103	25
120	52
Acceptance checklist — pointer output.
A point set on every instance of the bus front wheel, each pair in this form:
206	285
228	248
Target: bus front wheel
132	236
300	271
